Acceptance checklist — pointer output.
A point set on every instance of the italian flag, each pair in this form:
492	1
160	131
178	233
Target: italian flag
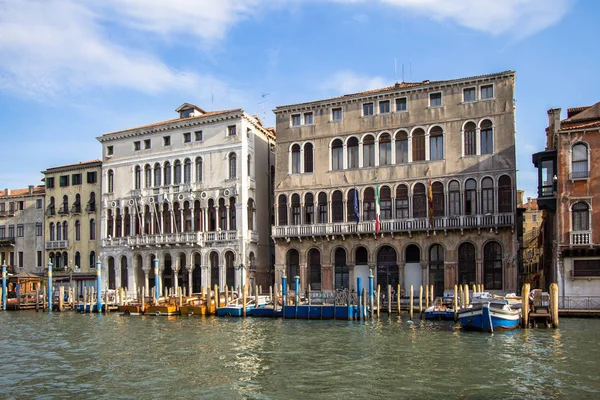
377	210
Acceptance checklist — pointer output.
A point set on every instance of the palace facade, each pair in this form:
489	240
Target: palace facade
416	182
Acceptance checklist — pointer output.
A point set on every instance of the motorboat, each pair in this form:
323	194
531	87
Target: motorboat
442	308
488	313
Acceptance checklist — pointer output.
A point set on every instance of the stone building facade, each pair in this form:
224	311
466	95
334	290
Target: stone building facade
568	188
195	194
72	225
435	161
532	245
22	229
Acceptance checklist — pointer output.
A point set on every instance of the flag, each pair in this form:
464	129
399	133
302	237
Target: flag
377	210
356	210
430	202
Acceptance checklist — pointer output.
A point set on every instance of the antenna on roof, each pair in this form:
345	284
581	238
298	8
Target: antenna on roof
262	105
395	74
402	72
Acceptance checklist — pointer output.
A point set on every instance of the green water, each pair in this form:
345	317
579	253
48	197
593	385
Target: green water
69	355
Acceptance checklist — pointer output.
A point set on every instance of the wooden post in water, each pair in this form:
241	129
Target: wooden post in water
379	303
226	293
255	293
467	299
420	299
216	294
106	310
61	296
143	303
365	309
455	300
275	300
37	299
525	305
244	297
411	302
309	296
431	298
398	295
554	304
180	297
426	296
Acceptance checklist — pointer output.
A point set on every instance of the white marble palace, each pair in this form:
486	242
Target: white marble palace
193	192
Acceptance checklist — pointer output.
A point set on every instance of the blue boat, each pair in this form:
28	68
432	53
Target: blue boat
324	311
488	314
235	308
265	310
442	308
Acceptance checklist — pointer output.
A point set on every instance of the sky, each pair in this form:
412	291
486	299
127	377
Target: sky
73	70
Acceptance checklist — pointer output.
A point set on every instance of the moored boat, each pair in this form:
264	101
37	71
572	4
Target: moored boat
235	308
442	308
488	314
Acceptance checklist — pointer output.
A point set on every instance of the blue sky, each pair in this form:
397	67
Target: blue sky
73	70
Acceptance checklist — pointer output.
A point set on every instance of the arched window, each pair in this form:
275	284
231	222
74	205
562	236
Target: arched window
418	145
437	194
579	164
147	176
232	166
492	266
337	206
222	215
167	174
453	199
385	149
198	169
308	158
470	133
369	204
214	268
91	207
471	197
314	265
232	221
157	175
249	166
436	269
487	196
92	259
487	137
581	216
251	213
419	201
401	202
505	198
322	208
337	155
368	151
296	159
385	198
436	143
466	264
362	256
187	170
92	229
138	177
341	278
65	205
309	208
295	203
293	264
65	230
51	231
401	147
111	181
177	170
283	211
353	152
351	200
58	231
77	260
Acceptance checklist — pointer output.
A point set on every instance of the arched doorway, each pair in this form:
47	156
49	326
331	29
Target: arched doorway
492	266
342	278
214	268
167	276
466	264
111	273
124	280
230	271
197	274
361	265
412	270
292	265
436	269
182	274
314	275
387	267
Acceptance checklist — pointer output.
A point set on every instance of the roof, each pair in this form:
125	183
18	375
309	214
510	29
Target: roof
26	275
582	118
79	164
189	106
194	118
400	86
23	192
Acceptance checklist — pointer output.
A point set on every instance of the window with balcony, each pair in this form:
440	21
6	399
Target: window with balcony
337	206
437	195
352	148
579	163
492	266
581	216
401	147
385	198
505	194
487	196
337	155
283	210
309	209
322	208
368	203
368	151
295	209
352	206
308	158
453	199
402	202
419	201
418	145
471	197
385	149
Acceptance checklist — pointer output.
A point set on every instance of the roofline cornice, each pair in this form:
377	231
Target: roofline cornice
72	167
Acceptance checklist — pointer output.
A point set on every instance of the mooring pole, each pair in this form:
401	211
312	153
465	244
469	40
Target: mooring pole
296	288
283	294
98	287
358	293
4	286
49	285
370	293
156	288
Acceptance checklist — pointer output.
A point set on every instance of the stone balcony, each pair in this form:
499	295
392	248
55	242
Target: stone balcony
57	244
580	238
213	239
411	225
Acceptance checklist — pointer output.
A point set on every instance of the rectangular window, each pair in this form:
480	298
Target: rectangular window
336	114
109	150
64	181
11	207
338	158
11	231
91	177
296	120
231	130
38	229
11	258
2	232
20	230
137	146
166	140
469	95
384	107
198	136
487	91
76	179
187	137
50	183
308	118
487	141
21	205
21	259
38	203
454	203
586	268
470	143
401	104
147	144
39	259
435	99
534	218
436	148
367	109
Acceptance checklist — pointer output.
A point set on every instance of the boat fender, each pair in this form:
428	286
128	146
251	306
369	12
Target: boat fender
409	322
158	313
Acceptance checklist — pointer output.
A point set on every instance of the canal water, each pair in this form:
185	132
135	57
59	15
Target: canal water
76	356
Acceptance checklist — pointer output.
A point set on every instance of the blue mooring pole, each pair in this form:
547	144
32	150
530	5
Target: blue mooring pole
98	286
156	288
359	293
283	293
296	288
49	285
4	286
371	293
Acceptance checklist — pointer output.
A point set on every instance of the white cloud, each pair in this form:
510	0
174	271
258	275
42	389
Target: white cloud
347	82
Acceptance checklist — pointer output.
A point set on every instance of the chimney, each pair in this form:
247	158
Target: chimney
529	203
7	192
553	127
30	189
